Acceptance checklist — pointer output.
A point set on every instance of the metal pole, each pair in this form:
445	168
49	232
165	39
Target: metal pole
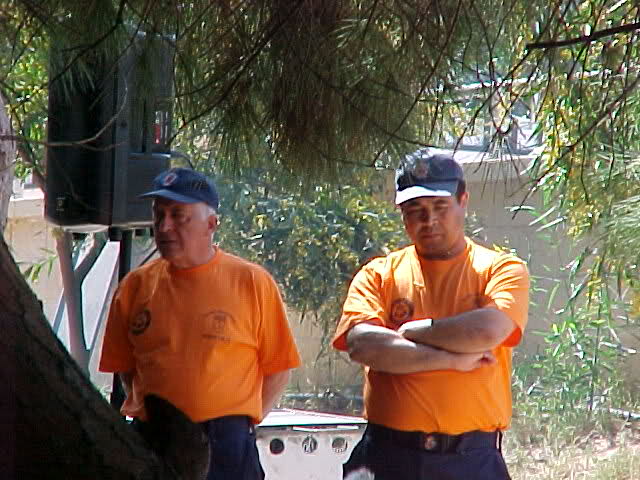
125	237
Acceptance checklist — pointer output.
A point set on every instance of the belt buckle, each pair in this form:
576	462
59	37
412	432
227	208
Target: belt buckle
430	442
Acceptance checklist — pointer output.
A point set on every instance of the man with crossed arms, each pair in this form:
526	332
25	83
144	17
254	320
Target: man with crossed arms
434	325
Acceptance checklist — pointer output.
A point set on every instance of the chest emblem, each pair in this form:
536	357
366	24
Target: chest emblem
401	311
141	322
216	325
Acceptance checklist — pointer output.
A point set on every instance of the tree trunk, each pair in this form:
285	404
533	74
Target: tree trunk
7	156
53	423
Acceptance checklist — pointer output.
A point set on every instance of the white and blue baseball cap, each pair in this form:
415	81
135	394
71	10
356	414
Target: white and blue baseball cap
422	174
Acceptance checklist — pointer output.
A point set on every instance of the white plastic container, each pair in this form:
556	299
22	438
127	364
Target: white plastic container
304	445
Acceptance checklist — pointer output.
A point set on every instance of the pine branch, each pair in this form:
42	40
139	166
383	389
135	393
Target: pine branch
583	136
27	158
84	142
84	50
260	45
607	32
423	86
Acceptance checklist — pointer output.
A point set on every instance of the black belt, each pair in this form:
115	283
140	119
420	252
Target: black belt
435	442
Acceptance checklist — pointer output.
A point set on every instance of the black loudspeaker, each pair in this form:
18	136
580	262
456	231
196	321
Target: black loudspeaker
107	135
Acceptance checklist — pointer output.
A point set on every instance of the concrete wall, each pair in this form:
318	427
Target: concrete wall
495	189
31	241
322	366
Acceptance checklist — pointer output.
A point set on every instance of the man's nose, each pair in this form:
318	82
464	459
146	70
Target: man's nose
165	224
428	218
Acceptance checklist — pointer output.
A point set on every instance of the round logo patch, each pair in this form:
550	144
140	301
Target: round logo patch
169	179
401	311
421	169
141	322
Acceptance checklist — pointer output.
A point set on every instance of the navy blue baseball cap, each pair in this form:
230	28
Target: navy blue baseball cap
184	186
422	174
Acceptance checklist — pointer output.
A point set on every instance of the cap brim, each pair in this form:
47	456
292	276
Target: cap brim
168	194
439	189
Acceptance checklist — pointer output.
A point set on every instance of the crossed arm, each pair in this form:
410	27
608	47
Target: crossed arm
462	342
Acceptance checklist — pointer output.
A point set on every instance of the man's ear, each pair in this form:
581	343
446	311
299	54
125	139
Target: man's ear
212	223
464	199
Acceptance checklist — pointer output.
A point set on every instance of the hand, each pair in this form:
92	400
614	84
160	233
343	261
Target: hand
408	329
466	362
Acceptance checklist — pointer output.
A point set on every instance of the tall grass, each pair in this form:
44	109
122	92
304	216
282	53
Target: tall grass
564	398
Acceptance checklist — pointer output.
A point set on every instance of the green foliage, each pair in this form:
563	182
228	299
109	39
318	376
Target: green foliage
23	82
313	88
581	366
588	173
588	177
34	270
577	369
312	244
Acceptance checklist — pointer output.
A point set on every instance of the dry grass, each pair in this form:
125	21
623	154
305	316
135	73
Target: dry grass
596	449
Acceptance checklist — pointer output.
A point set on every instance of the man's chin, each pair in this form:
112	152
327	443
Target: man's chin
431	244
168	254
432	252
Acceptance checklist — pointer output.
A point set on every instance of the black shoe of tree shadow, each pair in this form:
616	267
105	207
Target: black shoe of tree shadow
179	442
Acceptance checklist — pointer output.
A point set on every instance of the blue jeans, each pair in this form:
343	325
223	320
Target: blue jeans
389	460
234	454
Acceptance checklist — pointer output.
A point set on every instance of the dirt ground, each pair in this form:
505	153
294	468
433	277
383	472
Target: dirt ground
594	456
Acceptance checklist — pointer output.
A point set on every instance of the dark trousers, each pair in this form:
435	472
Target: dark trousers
387	454
234	454
232	446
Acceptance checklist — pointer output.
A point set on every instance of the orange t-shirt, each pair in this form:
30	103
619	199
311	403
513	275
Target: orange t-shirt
401	287
203	338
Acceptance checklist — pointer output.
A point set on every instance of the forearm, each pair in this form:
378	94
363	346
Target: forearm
469	332
385	350
272	387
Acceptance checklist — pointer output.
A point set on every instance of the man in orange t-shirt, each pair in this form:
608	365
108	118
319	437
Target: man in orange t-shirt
434	325
200	328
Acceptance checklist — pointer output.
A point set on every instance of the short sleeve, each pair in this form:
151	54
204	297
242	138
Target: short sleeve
117	351
364	302
508	291
277	350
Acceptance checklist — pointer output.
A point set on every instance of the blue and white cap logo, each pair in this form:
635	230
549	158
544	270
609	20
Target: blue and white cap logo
420	169
169	179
